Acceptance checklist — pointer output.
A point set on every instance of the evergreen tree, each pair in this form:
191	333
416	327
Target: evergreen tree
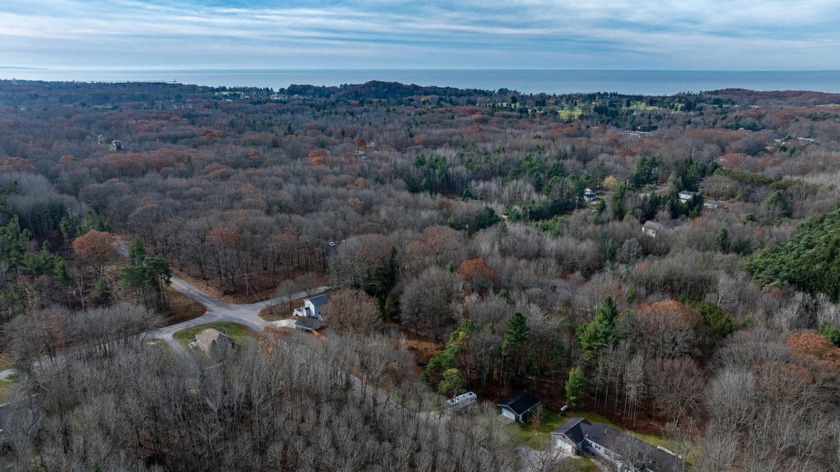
576	388
451	382
146	277
137	252
600	333
722	240
617	205
513	343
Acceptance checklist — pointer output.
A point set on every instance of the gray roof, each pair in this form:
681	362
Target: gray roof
320	300
520	403
571	430
640	452
653	225
308	323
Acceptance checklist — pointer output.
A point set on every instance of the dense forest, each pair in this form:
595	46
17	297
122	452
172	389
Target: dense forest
669	264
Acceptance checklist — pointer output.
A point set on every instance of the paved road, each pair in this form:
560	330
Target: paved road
217	311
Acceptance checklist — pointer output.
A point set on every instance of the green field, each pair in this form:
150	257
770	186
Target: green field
540	437
642	106
238	332
570	113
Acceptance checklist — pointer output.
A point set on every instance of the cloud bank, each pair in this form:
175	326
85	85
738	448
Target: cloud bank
491	34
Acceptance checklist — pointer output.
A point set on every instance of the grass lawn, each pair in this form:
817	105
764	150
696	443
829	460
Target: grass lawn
642	106
538	435
586	465
7	386
182	307
573	113
238	332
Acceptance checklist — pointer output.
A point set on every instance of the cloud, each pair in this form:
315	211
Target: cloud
703	34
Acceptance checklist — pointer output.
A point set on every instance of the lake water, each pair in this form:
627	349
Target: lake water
527	81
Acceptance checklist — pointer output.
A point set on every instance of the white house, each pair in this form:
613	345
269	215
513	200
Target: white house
685	195
577	435
652	228
313	307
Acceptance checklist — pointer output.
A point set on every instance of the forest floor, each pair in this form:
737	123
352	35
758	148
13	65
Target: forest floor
7	360
181	308
280	310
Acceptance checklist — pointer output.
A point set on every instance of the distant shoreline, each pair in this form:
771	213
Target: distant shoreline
528	81
21	68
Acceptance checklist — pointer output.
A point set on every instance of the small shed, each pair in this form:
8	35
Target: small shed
519	407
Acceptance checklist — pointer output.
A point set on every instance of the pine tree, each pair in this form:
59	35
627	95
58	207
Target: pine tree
600	333
576	388
513	343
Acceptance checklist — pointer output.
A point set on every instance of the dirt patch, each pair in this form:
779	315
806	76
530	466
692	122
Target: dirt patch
423	348
236	297
240	297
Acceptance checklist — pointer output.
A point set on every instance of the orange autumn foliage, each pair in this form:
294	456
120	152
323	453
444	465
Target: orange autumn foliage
95	247
478	274
815	351
17	164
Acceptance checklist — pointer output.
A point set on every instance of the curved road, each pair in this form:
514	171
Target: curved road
217	311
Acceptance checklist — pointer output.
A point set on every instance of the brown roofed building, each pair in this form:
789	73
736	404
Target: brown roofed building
212	340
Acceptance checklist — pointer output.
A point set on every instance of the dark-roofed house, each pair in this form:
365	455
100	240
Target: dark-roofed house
569	435
307	324
519	407
211	340
313	307
578	435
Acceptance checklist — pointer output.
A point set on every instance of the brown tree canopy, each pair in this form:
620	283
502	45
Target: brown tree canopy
96	248
815	352
480	276
352	311
667	329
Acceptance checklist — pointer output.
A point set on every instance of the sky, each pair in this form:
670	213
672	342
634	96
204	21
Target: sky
430	34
